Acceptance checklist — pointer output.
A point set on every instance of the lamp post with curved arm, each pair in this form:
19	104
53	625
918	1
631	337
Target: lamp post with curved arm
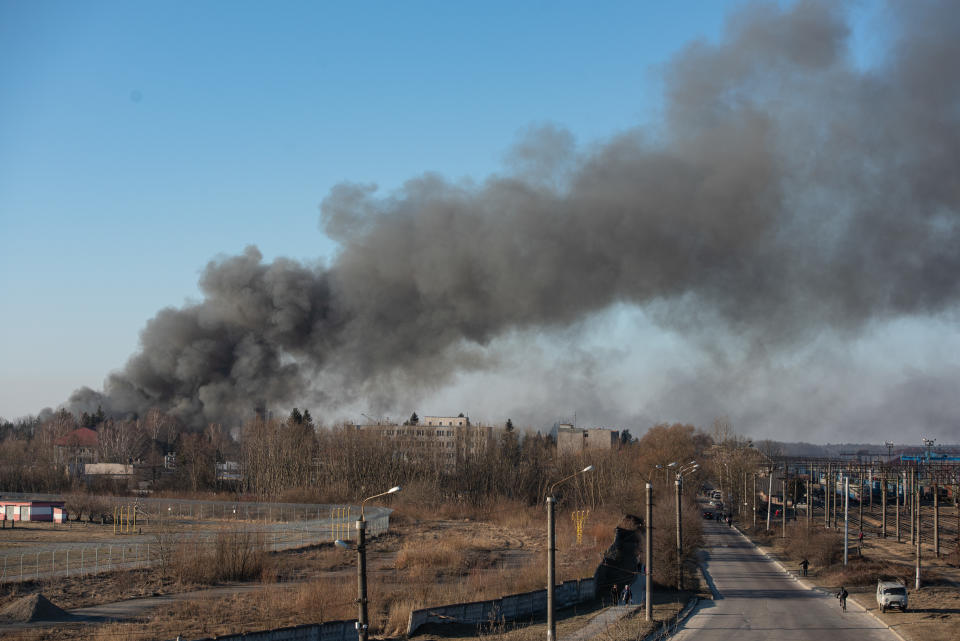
666	467
686	469
551	554
361	525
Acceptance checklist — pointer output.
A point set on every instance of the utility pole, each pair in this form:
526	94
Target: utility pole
835	488
809	498
362	622
551	554
860	515
783	511
898	507
361	525
936	520
677	484
755	502
769	496
551	568
846	518
796	496
826	497
883	506
917	499
743	507
648	558
913	505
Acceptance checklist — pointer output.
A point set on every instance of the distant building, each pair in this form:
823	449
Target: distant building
441	439
77	448
575	440
449	421
28	510
116	471
229	471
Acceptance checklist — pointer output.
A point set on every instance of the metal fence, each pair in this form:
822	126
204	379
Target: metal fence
145	550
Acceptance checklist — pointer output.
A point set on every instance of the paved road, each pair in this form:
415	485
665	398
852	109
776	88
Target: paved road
755	601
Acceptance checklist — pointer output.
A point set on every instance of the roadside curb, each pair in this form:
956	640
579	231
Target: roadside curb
670	626
816	588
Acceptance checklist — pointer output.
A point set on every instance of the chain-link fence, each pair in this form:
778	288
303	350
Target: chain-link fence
168	524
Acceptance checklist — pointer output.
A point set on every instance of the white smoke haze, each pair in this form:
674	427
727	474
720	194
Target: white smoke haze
790	206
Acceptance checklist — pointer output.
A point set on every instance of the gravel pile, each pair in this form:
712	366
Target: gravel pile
35	607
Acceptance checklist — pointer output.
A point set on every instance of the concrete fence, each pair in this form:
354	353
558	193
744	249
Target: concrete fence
508	608
330	631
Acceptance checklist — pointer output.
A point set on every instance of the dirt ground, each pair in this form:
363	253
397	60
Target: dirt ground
419	562
27	534
933	614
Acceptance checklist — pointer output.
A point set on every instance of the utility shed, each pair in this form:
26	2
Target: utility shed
29	510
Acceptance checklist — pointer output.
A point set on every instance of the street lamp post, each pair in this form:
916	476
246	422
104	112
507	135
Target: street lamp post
551	555
689	467
846	517
769	495
363	623
648	556
666	467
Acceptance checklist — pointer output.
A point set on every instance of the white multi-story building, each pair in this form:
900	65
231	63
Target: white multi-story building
444	439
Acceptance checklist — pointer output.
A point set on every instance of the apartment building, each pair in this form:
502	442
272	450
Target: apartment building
442	439
576	440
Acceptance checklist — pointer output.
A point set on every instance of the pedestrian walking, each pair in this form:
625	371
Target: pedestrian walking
627	595
803	566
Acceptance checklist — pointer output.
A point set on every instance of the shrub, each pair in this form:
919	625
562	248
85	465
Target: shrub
230	556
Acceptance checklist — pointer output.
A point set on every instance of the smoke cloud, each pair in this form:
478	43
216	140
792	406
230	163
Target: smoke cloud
787	193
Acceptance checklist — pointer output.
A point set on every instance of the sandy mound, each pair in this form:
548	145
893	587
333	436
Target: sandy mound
35	607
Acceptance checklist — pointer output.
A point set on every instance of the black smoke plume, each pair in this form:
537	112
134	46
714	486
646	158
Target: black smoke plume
787	192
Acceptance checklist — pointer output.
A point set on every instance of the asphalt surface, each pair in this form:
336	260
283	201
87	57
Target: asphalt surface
754	600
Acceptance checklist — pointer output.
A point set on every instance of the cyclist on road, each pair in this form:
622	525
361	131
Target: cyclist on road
842	595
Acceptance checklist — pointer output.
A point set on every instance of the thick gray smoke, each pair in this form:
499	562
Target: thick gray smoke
787	192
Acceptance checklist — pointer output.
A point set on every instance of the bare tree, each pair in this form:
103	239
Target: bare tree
120	441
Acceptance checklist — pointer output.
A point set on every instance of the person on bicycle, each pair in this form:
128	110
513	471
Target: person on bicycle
842	595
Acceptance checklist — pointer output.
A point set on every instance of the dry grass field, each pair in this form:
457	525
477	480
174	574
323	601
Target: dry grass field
422	561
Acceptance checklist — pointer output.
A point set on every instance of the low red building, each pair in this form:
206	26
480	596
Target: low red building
23	510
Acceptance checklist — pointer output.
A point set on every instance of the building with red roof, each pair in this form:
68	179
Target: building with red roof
77	448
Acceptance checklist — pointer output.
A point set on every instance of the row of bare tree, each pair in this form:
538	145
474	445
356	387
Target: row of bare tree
294	458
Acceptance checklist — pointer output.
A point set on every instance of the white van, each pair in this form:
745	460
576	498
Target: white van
891	594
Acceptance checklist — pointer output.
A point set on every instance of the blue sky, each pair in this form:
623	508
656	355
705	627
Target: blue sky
140	140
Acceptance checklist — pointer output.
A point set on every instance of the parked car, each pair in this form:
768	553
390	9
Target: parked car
708	515
891	594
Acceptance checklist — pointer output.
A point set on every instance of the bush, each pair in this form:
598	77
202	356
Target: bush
230	556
